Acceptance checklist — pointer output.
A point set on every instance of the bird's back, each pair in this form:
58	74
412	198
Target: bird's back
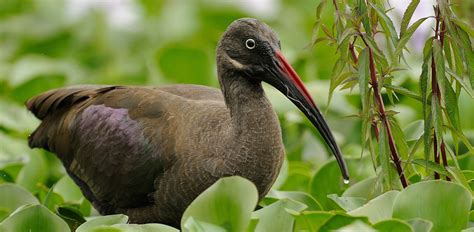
115	141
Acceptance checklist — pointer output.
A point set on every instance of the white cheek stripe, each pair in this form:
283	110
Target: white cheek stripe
236	64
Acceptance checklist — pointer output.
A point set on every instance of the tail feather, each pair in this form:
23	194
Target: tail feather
52	107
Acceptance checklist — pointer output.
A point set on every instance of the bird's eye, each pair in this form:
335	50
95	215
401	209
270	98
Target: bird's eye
250	44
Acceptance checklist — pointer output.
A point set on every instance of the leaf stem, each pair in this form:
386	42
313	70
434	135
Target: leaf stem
383	117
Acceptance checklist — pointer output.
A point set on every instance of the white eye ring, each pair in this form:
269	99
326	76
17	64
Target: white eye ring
250	44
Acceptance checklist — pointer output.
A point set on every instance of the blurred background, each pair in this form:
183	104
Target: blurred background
46	44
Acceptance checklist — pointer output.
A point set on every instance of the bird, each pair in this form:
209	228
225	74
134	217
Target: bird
148	152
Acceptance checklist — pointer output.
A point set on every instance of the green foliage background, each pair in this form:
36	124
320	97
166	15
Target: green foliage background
42	47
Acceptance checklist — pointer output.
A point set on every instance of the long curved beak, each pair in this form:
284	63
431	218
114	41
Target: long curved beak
285	79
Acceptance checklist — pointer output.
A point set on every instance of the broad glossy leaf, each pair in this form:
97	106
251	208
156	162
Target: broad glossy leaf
377	209
276	217
34	172
227	203
34	218
102	221
393	225
301	197
312	220
13	196
347	203
68	189
340	220
368	188
151	227
357	226
420	225
445	204
328	179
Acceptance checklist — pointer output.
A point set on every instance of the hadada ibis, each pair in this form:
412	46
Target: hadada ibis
148	152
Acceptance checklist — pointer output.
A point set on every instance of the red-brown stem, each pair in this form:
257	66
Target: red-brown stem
383	117
335	6
445	160
352	50
439	35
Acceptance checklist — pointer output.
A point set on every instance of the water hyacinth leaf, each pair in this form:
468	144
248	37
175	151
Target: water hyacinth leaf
393	225
302	197
13	196
377	209
34	172
34	218
311	220
340	220
407	16
227	203
276	217
357	226
151	227
368	188
347	203
420	225
102	221
453	199
71	215
328	179
68	189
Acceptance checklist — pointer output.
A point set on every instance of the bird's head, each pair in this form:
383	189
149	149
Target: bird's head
252	50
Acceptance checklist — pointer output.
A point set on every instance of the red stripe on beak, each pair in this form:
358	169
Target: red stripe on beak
294	77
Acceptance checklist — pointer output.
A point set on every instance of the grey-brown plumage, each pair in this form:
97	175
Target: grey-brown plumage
149	151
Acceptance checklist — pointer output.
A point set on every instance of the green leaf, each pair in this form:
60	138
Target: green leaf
420	225
193	225
276	217
431	166
459	177
377	209
340	220
386	23
13	196
368	189
407	16
443	203
312	220
34	172
102	221
347	203
357	226
328	179
301	197
406	37
34	218
364	80
403	91
227	203
71	215
468	54
362	12
68	189
151	227
393	225
414	130
463	25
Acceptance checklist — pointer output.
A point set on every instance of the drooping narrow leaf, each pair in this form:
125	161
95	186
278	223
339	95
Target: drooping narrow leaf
407	16
431	166
386	24
449	96
426	107
468	53
463	25
406	37
317	24
362	12
384	158
460	80
364	78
